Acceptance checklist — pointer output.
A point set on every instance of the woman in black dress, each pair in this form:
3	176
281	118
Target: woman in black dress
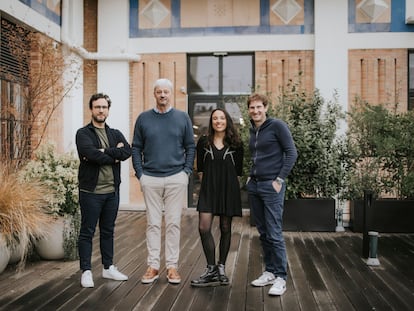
219	163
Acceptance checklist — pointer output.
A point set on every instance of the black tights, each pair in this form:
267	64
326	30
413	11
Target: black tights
207	240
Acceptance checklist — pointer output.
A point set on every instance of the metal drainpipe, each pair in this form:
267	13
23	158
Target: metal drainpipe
82	52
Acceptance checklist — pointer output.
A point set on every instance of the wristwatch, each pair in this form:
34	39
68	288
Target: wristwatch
279	180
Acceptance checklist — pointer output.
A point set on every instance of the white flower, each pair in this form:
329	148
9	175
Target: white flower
59	173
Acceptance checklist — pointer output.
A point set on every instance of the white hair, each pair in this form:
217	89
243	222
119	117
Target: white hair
163	83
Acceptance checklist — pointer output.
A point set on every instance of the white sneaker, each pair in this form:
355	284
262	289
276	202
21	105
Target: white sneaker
86	279
266	278
113	274
278	287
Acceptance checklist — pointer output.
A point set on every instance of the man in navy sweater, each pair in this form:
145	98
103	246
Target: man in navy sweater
273	154
163	152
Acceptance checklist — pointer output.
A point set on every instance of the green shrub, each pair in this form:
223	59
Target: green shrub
320	169
381	149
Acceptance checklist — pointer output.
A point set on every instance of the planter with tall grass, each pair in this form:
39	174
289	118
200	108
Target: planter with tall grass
23	217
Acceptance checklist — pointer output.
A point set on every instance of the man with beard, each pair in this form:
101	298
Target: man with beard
100	150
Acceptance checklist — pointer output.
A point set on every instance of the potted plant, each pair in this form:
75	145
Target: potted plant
317	177
381	149
23	215
58	172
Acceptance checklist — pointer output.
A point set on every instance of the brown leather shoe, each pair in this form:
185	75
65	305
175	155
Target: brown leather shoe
173	276
150	276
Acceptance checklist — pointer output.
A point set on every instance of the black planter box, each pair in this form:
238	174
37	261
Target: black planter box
385	215
308	215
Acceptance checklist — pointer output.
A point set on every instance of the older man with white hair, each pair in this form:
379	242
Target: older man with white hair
163	151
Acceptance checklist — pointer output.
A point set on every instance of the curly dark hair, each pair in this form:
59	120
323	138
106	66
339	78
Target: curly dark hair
98	96
231	137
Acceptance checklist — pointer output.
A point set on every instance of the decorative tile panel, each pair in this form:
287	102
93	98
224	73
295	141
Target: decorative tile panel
286	10
373	9
155	12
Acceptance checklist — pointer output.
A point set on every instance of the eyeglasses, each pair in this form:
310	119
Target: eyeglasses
100	107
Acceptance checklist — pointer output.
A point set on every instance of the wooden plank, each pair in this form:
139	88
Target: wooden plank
314	246
254	295
344	281
188	299
238	293
358	271
326	272
191	254
384	296
300	281
395	284
52	295
221	295
311	266
131	261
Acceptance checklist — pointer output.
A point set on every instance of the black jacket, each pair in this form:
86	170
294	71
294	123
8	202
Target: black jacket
91	158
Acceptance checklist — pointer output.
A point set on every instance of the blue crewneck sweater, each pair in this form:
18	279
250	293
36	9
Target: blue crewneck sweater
163	143
272	150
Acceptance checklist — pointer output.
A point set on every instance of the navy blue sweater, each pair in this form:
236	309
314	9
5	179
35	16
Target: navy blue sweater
163	143
272	150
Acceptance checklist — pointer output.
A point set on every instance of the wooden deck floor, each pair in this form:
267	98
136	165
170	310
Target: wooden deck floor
326	272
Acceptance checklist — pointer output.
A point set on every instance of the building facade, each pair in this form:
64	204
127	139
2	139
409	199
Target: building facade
216	52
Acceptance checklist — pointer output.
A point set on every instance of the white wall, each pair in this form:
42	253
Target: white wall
240	43
331	52
72	33
113	76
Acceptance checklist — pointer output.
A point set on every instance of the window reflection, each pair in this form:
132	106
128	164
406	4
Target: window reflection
204	75
201	118
237	74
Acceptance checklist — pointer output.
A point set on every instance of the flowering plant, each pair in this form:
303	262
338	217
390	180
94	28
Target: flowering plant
59	173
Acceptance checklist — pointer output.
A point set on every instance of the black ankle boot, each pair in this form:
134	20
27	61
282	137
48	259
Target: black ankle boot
224	280
208	278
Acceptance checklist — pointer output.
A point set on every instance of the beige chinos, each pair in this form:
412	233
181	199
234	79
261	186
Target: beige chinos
168	195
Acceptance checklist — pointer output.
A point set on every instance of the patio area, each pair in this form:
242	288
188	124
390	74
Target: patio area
326	272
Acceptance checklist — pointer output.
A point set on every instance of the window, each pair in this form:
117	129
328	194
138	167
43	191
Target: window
220	74
14	136
218	80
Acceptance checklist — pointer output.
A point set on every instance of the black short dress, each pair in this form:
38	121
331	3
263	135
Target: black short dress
220	190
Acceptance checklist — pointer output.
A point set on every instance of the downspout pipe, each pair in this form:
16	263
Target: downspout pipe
82	52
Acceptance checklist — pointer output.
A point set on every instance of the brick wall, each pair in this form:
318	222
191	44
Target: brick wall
274	69
46	64
90	43
378	76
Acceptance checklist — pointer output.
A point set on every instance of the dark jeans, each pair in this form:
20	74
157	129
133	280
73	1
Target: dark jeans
267	209
94	207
